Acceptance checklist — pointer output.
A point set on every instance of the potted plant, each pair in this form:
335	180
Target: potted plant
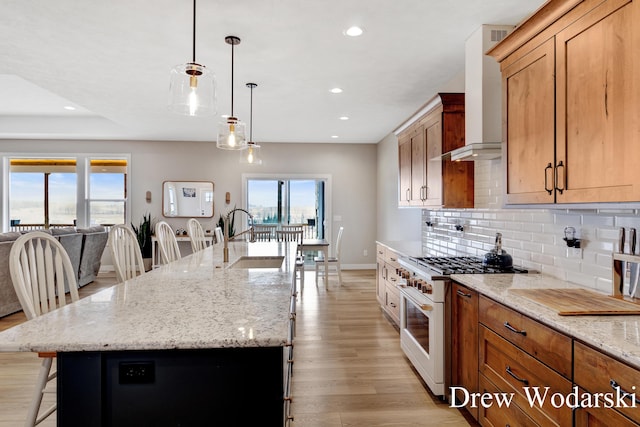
231	231
143	233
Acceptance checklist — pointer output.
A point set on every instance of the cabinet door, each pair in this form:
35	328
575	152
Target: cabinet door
464	336
418	166
433	162
597	140
529	99
404	170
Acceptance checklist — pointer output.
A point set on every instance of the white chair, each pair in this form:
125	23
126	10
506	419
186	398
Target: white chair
294	236
196	234
167	243
39	268
217	232
333	262
125	252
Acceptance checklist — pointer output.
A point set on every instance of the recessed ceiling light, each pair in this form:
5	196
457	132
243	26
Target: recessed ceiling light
69	107
336	90
334	136
344	118
354	31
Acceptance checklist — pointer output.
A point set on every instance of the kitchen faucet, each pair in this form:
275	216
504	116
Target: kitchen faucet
225	252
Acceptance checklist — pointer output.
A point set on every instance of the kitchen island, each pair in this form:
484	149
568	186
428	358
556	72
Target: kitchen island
190	343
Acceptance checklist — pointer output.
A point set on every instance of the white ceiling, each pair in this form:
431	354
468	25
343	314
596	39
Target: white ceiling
111	60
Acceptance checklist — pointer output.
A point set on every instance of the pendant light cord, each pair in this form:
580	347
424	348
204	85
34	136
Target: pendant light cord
194	31
251	116
232	80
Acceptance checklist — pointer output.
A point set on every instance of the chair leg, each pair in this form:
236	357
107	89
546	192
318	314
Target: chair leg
34	407
339	268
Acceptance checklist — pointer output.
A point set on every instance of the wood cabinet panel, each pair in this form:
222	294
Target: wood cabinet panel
597	101
404	171
418	165
530	157
599	373
387	278
464	338
514	371
549	346
499	416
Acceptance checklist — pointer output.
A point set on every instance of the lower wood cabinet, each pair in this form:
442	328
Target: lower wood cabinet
521	375
464	339
498	416
596	372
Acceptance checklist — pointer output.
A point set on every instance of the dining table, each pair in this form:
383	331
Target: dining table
318	245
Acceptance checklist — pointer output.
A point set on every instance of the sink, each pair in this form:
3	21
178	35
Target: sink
257	262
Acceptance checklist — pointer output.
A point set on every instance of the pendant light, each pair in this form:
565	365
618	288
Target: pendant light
251	155
231	132
192	87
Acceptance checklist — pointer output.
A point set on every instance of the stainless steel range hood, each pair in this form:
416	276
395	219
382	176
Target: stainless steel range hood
483	96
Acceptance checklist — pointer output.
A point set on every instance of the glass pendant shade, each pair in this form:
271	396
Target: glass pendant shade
192	90
232	135
251	154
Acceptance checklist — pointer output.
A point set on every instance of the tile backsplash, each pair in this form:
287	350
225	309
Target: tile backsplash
533	237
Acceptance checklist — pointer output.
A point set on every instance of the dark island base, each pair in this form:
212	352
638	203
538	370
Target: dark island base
228	386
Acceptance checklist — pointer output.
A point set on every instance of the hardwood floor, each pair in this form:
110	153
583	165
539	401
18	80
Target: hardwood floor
349	369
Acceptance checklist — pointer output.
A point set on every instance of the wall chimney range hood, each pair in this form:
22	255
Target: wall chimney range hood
477	151
483	96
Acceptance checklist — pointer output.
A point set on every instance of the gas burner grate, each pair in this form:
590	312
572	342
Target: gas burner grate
463	265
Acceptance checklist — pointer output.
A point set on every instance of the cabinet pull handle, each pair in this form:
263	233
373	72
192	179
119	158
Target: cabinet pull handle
522	380
392	305
560	165
512	329
408	194
625	394
547	169
462	294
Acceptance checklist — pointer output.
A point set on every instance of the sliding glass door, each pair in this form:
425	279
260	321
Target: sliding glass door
288	201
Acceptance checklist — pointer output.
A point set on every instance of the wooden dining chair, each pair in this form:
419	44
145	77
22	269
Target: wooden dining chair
125	252
39	268
294	236
196	234
262	236
266	228
167	243
333	262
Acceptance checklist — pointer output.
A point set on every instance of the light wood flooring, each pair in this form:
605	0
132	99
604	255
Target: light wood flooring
349	369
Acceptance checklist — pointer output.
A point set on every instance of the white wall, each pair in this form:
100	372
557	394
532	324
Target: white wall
352	168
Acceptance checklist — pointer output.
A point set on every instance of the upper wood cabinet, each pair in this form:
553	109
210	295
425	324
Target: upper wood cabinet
570	103
425	178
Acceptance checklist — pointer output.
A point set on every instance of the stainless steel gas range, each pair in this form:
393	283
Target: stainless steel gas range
425	290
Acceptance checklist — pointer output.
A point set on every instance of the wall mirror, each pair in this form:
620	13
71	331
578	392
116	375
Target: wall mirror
187	199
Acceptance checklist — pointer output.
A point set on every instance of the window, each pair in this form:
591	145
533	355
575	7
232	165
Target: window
45	192
107	191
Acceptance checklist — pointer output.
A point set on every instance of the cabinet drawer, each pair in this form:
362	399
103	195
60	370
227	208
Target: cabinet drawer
547	345
598	373
498	416
391	258
393	303
380	251
600	417
514	371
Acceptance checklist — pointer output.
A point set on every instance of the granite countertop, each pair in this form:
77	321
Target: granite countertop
617	335
192	303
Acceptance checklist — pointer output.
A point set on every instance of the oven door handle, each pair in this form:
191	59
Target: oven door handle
421	306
